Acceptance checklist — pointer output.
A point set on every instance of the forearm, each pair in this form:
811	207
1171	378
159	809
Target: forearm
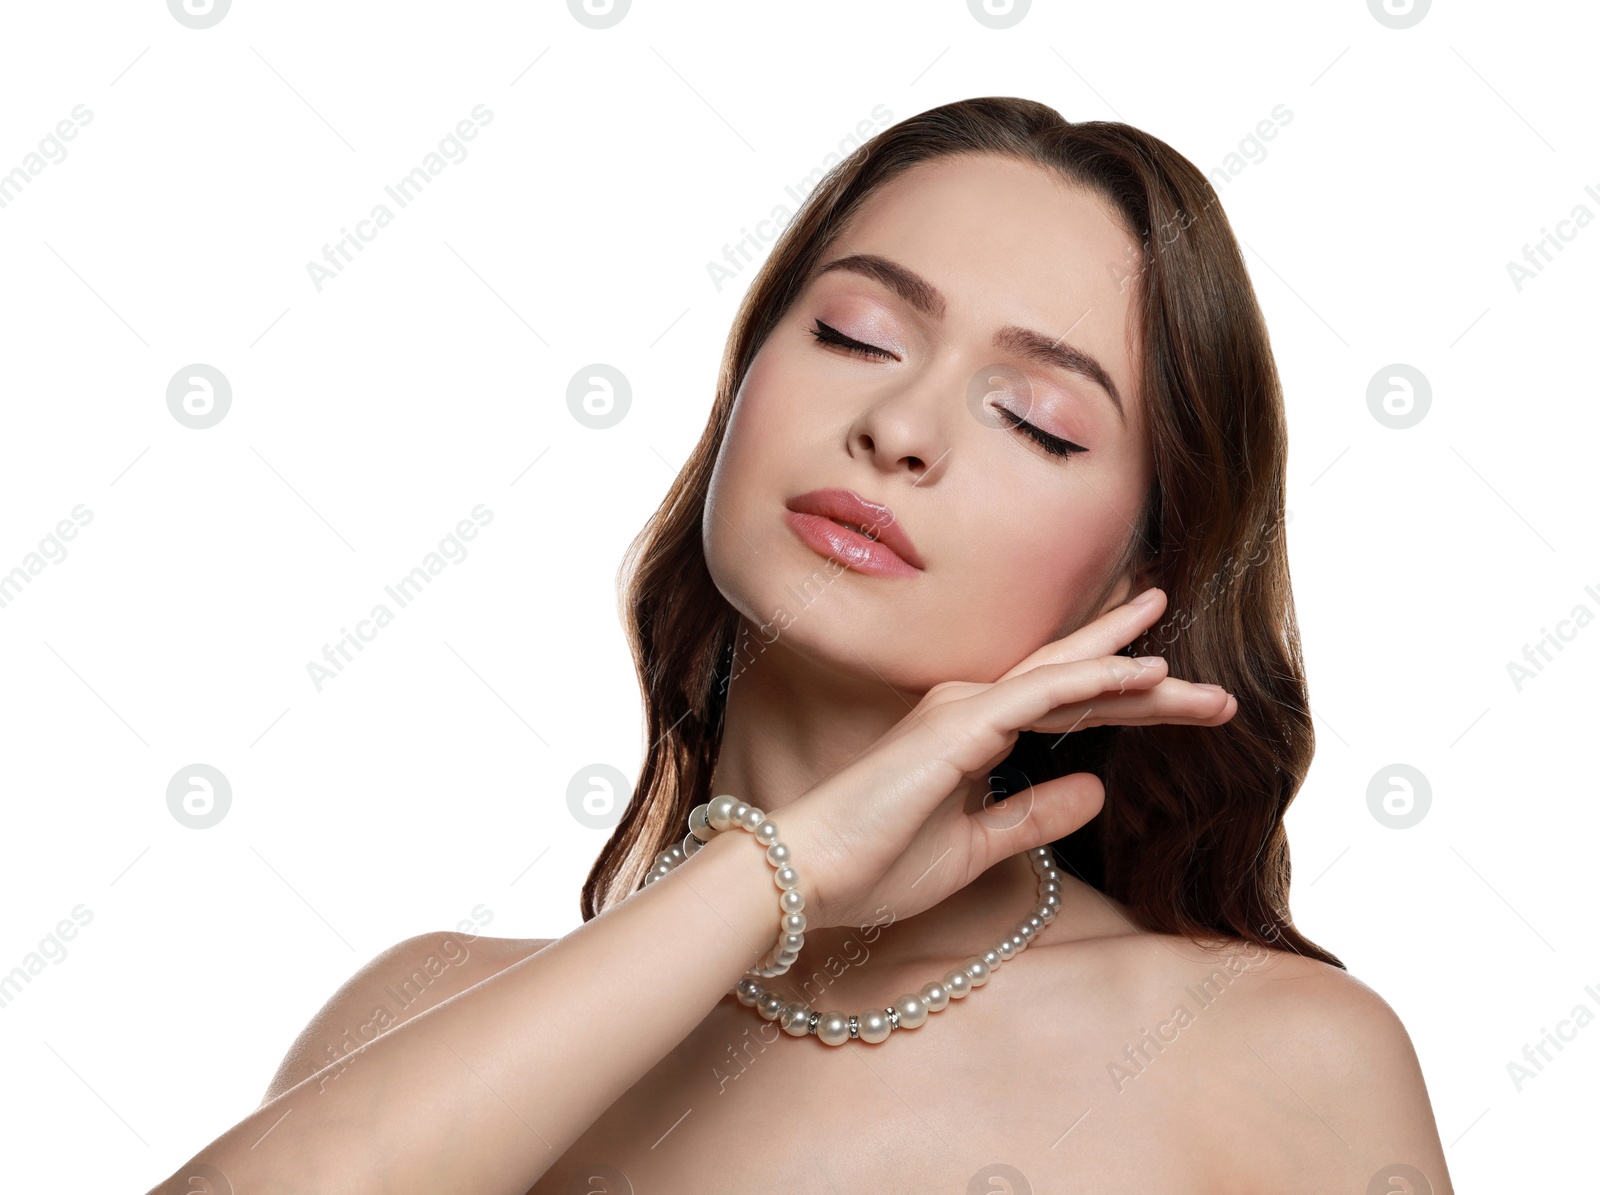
485	1091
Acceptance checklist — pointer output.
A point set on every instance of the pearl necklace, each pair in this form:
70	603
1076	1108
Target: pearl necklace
796	1017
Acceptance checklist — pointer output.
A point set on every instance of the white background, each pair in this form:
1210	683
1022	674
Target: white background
429	779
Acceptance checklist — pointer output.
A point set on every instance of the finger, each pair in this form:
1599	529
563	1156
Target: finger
971	729
1036	815
1224	714
1104	636
1173	700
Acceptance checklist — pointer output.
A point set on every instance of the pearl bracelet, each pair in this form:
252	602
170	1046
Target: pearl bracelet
796	1017
724	813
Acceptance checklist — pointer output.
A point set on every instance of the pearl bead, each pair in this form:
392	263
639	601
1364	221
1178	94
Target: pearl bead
936	996
786	876
912	1010
1018	943
958	983
833	1029
747	990
770	1005
792	901
1025	931
719	811
1052	900
692	847
792	923
795	1019
791	942
873	1025
698	826
1006	950
992	957
977	970
778	854
767	833
752	818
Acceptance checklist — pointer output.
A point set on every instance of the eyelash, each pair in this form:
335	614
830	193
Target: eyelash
1054	445
833	336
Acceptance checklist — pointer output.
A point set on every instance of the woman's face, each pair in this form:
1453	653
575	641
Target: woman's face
989	291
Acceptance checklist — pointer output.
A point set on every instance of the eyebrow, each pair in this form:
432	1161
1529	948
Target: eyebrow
925	298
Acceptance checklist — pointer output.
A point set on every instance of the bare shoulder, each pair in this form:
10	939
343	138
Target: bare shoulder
1314	1073
1344	1054
408	978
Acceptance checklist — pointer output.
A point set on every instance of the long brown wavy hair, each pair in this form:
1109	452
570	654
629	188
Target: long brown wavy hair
1191	835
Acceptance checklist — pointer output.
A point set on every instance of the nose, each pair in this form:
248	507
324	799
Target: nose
908	429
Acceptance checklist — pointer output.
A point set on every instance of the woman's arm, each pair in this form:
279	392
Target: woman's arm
398	984
484	1091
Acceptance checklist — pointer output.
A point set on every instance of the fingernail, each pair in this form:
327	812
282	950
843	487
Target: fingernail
1203	685
1146	598
1149	661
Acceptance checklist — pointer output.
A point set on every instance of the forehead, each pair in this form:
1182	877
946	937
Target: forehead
1008	242
1007	202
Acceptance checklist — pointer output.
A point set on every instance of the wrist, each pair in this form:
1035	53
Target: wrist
726	813
728	816
811	851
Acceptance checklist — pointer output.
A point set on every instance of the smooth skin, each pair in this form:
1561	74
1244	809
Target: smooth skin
538	1049
536	1065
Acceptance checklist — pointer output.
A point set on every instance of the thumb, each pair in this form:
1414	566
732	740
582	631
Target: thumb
1039	814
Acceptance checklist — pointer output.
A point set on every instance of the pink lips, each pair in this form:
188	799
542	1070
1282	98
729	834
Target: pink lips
885	550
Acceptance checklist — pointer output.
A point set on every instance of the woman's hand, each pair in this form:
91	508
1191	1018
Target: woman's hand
903	824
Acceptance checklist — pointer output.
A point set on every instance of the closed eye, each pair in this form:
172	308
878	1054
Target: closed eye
828	335
1054	445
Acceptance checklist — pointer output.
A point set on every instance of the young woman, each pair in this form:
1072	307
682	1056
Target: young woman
998	415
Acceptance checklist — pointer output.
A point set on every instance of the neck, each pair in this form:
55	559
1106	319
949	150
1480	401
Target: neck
790	724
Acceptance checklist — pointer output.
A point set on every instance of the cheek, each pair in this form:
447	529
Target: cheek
1022	585
754	435
745	496
765	414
